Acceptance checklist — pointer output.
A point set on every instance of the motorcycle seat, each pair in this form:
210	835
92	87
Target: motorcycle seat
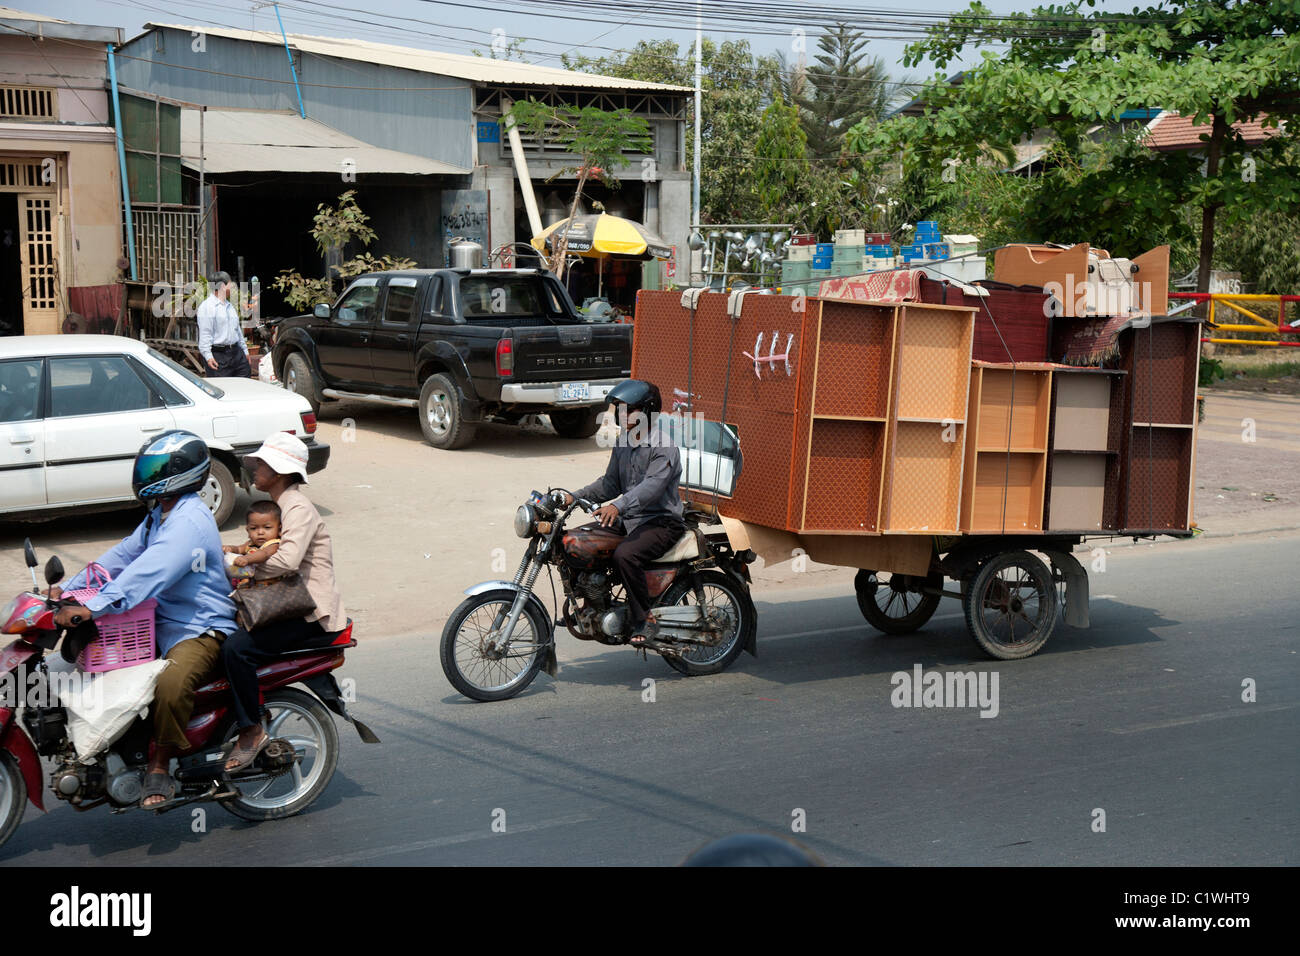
686	548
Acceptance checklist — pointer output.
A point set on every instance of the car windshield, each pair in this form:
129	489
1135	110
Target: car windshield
189	376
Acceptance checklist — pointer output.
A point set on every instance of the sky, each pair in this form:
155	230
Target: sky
461	26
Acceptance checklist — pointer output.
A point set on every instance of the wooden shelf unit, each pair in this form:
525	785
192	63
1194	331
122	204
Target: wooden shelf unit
1006	456
926	430
847	408
1083	462
1158	453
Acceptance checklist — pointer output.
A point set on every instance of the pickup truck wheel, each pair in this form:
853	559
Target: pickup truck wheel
297	378
577	422
218	492
441	415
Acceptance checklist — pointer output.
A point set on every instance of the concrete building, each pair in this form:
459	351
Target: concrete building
60	193
247	134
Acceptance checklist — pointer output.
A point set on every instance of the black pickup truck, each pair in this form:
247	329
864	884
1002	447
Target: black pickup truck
464	346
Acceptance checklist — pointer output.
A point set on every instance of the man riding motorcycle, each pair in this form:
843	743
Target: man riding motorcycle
639	489
174	557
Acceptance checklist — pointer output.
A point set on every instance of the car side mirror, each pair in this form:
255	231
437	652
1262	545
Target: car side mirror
53	571
322	311
29	553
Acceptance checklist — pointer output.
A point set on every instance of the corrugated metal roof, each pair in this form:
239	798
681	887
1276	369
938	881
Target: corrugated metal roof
244	141
9	13
475	68
1174	132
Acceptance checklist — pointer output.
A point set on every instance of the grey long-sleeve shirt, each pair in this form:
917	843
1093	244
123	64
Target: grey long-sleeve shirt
641	481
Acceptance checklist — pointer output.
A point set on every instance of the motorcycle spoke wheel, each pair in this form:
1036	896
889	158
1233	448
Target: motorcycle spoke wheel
470	658
725	598
304	722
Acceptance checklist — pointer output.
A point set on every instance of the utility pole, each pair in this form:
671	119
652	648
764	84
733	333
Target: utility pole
699	72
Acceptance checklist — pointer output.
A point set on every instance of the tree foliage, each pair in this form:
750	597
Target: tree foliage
1066	69
333	228
842	88
599	138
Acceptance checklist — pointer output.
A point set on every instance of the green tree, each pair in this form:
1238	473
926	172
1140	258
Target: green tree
599	138
842	88
333	228
1067	68
736	86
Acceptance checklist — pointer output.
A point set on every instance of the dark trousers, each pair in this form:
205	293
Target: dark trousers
232	362
242	652
639	548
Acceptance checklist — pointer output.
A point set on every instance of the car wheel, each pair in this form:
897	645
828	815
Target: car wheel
442	416
297	379
218	492
577	422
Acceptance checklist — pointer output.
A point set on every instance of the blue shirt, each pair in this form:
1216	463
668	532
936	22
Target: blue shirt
178	562
218	324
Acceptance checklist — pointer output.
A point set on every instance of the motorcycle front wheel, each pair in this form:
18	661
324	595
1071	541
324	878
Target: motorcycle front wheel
721	594
13	796
303	720
468	650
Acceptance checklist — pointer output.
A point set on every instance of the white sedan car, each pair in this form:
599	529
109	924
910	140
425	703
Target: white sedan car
75	409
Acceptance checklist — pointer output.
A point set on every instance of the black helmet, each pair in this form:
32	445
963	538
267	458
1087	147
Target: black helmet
752	849
637	395
173	463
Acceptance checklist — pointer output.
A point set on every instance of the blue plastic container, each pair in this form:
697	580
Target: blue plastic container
826	249
822	262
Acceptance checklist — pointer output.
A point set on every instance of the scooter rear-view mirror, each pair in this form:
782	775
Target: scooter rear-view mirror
53	571
29	553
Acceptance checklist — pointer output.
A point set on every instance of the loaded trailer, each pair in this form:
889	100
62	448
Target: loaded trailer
974	435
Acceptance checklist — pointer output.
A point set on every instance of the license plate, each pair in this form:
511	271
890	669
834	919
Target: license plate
575	391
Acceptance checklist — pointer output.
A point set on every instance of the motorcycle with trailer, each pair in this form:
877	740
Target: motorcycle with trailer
286	778
497	640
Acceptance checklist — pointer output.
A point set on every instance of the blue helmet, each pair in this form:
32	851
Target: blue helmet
173	463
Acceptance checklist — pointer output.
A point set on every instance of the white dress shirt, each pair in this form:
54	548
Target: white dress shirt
218	325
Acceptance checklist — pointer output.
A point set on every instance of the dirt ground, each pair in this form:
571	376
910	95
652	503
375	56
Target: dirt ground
413	526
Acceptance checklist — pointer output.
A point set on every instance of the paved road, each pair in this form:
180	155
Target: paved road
1140	716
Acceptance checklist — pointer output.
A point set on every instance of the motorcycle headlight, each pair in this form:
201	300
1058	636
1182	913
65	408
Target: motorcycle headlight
525	521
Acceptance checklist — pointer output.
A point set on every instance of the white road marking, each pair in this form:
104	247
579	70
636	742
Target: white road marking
1245	710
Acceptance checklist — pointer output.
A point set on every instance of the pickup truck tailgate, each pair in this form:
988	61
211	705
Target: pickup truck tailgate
568	353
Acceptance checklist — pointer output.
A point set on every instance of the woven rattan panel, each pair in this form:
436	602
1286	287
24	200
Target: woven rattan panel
762	406
853	359
932	374
925	494
1160	474
844	476
1117	430
1164	358
803	420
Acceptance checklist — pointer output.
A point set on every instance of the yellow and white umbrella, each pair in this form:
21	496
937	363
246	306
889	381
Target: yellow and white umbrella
602	236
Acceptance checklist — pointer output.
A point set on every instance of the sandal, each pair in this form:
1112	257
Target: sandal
158	783
245	756
646	634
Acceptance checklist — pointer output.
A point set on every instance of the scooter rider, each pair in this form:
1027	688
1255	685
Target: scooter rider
640	488
174	557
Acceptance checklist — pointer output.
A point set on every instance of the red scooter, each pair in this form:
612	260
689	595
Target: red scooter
287	777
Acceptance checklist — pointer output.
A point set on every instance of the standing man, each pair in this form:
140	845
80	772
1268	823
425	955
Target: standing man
221	338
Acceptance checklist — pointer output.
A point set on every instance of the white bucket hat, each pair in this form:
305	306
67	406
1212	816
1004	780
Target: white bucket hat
284	454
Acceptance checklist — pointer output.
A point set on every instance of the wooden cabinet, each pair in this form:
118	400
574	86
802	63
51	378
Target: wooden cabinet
1084	460
1006	458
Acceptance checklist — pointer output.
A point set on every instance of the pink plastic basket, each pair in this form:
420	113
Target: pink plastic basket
124	639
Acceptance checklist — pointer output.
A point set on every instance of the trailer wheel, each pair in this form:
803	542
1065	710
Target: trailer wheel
894	605
1011	605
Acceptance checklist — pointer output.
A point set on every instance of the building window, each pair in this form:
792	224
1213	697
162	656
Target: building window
27	102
